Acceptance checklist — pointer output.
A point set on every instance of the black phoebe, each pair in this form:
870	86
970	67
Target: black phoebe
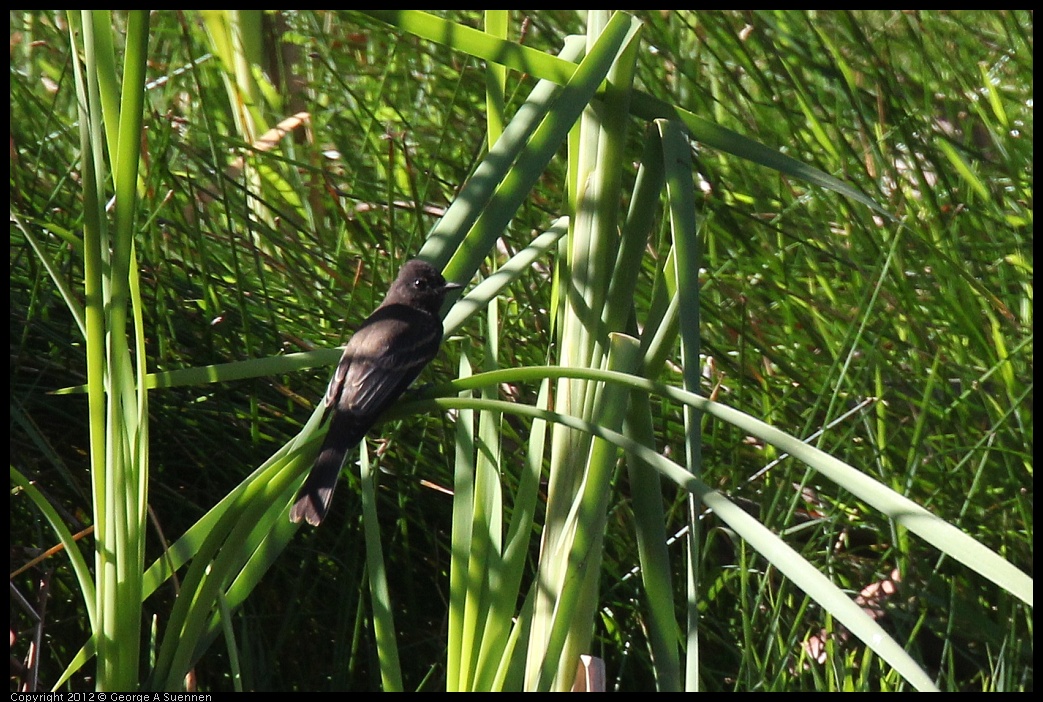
383	357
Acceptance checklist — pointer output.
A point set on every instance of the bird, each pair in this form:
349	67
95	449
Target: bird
382	358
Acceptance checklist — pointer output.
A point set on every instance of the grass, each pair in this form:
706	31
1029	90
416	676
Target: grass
904	345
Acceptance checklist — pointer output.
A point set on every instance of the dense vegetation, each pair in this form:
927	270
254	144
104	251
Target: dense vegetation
871	293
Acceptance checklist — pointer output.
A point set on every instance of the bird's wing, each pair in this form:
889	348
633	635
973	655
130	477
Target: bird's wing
382	359
336	384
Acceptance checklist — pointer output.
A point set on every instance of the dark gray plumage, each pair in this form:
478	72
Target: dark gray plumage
383	357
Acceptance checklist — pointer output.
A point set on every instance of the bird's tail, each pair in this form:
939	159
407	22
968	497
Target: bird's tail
315	495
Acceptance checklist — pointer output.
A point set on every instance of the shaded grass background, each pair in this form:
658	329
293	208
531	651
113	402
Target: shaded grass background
804	316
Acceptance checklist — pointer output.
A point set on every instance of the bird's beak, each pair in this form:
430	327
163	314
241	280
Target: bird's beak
452	286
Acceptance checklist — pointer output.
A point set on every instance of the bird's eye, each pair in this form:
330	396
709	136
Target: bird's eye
419	283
